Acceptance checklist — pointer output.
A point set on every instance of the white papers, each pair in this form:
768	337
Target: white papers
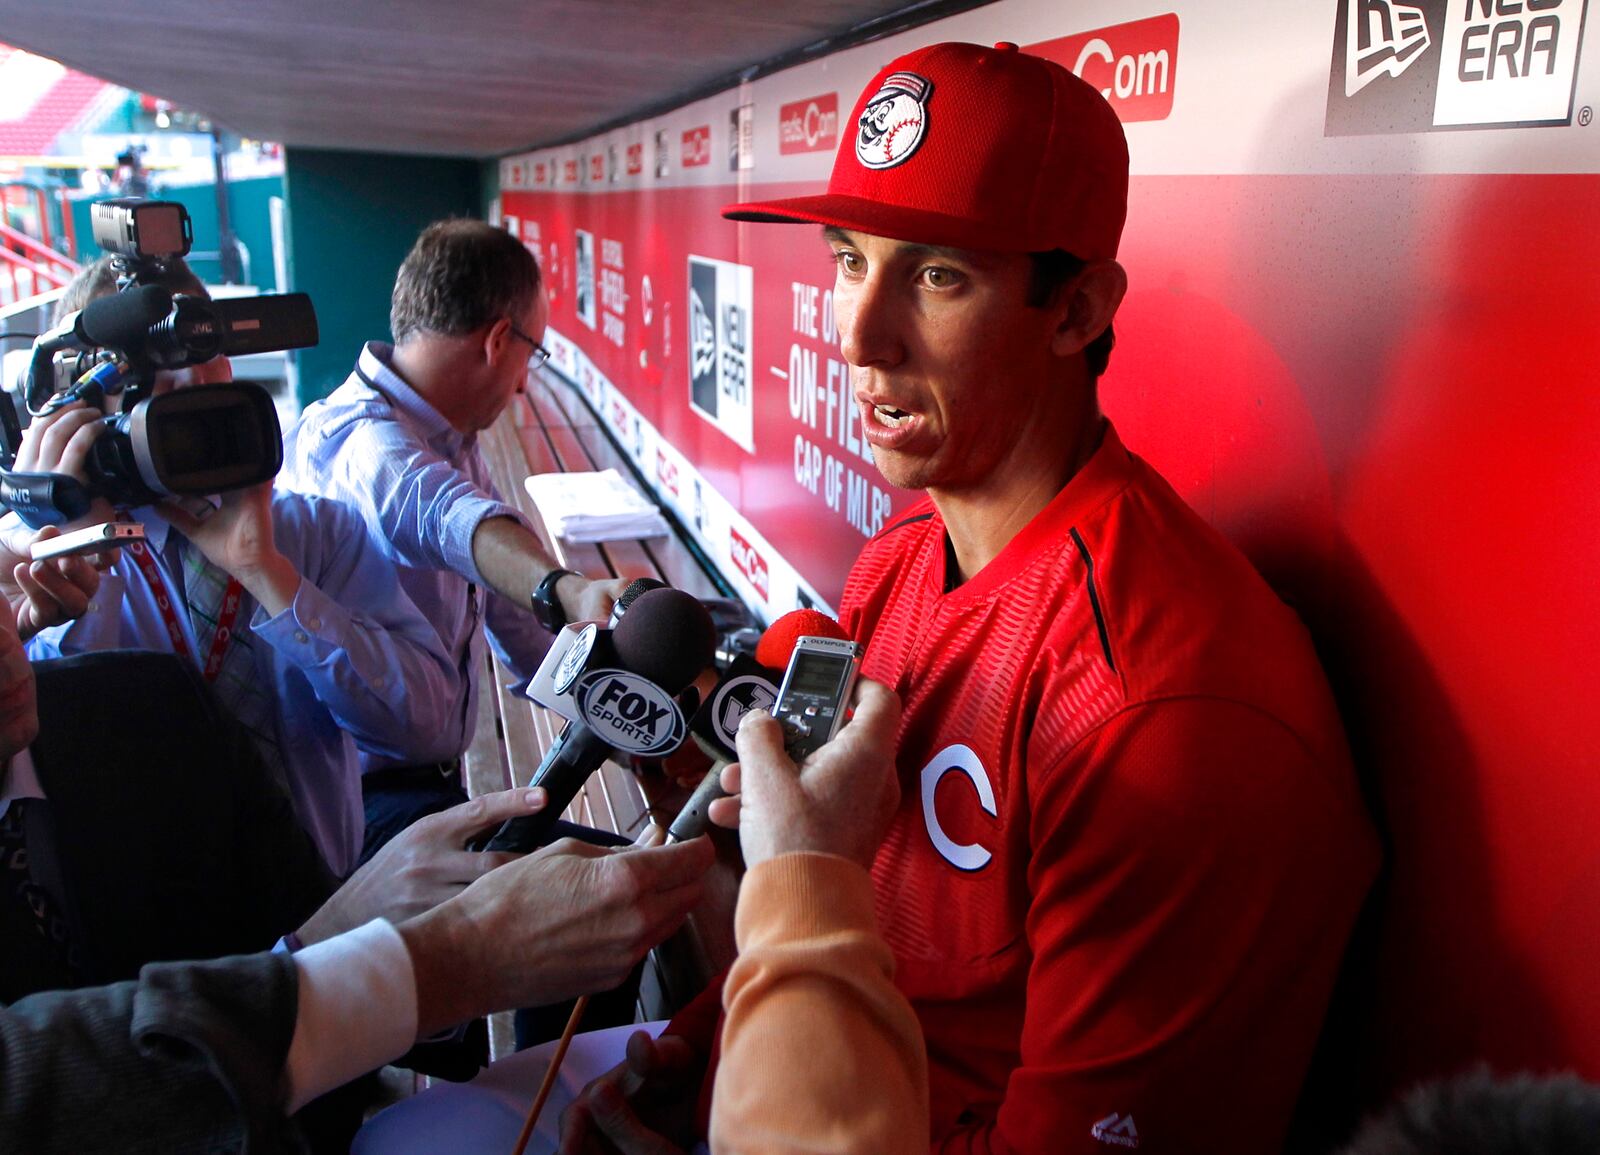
590	507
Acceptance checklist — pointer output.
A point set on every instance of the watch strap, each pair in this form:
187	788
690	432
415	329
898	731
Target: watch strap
546	606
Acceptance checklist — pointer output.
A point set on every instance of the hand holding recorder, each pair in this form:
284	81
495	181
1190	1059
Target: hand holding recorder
838	800
46	583
826	674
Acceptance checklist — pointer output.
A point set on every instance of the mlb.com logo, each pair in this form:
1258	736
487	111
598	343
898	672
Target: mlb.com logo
809	125
1423	65
1134	65
749	562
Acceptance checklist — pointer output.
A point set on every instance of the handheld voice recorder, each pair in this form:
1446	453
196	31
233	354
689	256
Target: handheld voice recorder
106	535
815	692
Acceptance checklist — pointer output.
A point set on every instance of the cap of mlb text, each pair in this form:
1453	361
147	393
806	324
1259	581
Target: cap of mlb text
976	148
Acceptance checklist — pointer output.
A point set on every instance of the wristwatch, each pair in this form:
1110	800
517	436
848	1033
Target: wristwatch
546	606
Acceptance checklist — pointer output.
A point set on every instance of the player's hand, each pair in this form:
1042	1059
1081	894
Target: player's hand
60	442
587	600
49	592
567	920
839	801
645	1105
425	864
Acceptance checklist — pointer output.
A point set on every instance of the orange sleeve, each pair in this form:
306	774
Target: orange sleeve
819	1050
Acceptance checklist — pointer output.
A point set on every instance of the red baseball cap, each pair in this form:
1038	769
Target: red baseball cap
976	148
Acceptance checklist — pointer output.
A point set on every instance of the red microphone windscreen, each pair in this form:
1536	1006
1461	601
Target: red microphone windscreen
777	644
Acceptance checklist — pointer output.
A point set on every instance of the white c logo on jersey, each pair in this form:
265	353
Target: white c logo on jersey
963	760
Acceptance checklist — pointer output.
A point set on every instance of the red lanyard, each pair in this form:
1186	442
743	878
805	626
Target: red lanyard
226	613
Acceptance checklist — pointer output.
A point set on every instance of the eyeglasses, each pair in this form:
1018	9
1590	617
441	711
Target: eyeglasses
540	353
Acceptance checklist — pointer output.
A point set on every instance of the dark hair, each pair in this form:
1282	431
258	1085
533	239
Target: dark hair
1051	271
100	280
462	275
1477	1114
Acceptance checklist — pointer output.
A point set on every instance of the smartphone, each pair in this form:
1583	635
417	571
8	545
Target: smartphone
95	538
815	692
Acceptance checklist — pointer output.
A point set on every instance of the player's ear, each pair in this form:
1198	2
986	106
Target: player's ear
1090	302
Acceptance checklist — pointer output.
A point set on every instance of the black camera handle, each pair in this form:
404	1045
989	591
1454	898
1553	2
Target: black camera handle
42	499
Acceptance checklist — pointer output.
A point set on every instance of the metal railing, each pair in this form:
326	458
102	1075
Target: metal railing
32	264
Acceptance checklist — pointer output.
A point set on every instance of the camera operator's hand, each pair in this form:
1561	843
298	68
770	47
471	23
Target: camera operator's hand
838	801
46	593
238	538
59	442
422	866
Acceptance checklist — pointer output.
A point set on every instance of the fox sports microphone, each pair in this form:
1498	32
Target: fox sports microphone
662	642
748	684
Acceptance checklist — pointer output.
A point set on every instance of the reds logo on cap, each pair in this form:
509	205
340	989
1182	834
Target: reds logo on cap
894	121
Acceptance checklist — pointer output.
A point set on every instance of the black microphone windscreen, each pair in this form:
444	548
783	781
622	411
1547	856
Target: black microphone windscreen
667	637
122	319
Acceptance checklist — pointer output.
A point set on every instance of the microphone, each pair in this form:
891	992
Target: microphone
664	638
749	684
635	589
122	319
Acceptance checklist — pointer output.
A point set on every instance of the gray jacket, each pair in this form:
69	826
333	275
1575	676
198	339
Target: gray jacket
188	1058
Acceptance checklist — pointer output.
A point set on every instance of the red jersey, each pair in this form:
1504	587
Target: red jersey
1130	847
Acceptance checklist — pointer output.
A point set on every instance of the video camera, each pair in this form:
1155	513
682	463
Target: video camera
197	441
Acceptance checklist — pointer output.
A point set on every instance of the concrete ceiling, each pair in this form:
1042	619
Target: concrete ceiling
475	78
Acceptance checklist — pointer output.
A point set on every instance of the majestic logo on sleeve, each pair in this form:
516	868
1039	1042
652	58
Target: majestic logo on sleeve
962	760
894	121
1116	1130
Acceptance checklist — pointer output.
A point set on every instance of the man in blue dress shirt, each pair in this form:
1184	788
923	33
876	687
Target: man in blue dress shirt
398	443
295	617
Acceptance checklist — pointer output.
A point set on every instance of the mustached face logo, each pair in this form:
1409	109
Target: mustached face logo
894	121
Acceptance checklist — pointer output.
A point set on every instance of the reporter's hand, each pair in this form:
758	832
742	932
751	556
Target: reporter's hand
567	920
645	1105
839	801
49	592
425	864
587	600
